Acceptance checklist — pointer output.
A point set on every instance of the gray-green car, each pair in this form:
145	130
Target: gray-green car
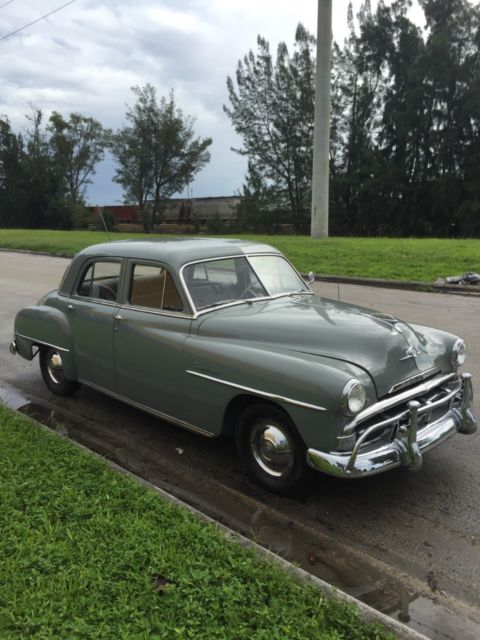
225	337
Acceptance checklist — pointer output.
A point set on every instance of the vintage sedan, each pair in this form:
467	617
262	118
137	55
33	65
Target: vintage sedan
225	337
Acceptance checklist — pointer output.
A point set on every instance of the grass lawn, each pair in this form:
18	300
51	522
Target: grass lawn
422	259
84	552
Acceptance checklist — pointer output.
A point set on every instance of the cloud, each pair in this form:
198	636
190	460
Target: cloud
87	57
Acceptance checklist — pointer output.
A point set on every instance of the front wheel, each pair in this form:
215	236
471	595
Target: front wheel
51	366
270	449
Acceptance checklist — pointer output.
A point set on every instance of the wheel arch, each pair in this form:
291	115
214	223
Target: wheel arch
44	326
239	403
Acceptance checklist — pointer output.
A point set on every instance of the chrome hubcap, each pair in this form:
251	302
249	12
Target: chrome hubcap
272	448
55	367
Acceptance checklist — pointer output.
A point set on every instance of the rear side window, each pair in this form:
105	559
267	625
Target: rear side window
100	281
153	287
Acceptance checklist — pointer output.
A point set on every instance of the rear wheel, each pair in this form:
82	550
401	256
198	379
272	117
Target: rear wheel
271	451
51	366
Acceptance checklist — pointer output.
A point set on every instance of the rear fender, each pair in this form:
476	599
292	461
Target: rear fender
45	326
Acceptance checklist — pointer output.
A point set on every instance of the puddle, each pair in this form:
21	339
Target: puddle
47	416
314	551
434	620
11	396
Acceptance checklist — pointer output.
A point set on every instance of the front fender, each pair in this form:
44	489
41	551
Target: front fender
48	326
218	370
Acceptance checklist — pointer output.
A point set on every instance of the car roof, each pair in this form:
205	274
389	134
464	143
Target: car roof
174	252
177	251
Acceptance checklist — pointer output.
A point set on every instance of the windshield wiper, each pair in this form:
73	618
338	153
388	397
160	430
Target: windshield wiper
298	291
219	304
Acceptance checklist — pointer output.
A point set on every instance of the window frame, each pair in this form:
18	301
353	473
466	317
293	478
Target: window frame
82	273
128	279
200	312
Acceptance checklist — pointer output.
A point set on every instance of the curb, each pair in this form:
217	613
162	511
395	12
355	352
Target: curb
369	614
408	285
38	253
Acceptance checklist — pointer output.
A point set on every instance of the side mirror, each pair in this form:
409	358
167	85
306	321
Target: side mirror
310	278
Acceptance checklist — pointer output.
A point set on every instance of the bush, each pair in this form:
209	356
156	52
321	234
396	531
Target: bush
216	225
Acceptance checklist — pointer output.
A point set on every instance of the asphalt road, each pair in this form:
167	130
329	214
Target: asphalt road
425	525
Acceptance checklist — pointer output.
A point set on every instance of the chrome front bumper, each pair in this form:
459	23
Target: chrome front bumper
407	447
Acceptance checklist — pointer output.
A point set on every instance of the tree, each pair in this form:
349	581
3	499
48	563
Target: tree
451	64
157	153
43	173
258	209
272	108
358	86
405	123
11	176
43	185
77	146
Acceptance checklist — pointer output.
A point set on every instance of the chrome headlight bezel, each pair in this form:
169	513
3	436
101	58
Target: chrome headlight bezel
353	397
459	353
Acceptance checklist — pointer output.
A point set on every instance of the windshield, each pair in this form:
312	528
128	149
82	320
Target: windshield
216	282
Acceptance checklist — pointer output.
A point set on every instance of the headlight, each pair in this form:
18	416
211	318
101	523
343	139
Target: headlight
353	397
459	353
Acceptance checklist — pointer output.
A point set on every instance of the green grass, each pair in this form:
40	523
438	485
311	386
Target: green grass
422	259
80	547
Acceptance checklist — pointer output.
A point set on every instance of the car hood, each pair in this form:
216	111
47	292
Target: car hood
389	350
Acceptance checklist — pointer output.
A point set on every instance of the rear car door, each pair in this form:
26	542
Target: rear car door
151	327
91	310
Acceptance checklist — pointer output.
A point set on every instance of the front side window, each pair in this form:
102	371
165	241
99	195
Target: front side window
100	281
152	287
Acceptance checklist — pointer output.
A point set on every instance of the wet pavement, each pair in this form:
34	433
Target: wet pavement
407	544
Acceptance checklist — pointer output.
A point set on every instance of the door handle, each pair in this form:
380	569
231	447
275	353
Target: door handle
118	317
70	307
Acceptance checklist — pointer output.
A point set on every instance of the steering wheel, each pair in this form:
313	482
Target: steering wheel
248	288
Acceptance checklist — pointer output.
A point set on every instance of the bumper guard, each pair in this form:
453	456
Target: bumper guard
407	447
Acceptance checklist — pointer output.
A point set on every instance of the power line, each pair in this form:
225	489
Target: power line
5	4
12	33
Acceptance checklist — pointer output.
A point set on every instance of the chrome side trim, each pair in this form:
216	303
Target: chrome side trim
410	394
157	312
263	394
105	303
143	407
47	344
416	378
123	305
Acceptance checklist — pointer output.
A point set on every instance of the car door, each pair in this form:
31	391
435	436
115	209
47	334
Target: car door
151	327
91	310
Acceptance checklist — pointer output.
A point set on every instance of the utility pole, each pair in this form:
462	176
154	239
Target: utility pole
321	136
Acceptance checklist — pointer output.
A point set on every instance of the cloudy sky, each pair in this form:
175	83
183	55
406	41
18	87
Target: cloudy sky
86	57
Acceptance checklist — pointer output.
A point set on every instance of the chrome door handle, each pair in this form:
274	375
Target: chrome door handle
118	317
70	307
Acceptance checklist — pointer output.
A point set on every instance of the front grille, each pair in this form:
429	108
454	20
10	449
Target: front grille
435	402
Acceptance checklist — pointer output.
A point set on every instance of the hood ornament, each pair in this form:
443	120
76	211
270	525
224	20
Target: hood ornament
411	352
